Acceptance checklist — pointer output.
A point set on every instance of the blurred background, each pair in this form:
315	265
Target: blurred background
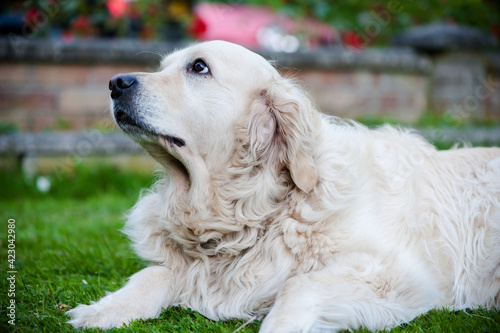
430	64
68	175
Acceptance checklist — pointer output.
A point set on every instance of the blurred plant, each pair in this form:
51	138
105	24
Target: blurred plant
145	19
8	128
170	19
353	17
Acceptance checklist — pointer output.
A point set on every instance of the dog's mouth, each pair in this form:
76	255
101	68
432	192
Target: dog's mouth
163	148
140	131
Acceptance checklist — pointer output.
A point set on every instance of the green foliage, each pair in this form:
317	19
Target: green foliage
69	250
8	128
62	124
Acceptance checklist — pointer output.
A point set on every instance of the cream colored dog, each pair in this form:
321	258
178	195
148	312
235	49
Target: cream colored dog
269	208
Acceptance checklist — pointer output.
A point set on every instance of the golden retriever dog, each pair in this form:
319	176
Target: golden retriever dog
269	209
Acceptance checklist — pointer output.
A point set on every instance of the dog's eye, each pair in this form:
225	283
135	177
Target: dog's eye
199	66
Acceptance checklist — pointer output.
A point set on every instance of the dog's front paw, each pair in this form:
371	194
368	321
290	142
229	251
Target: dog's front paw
95	315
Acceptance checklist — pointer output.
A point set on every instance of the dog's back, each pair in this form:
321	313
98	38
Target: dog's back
463	196
442	206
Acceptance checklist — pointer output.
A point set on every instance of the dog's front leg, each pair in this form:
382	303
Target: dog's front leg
144	296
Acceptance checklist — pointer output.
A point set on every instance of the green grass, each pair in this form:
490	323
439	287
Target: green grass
69	250
429	119
438	122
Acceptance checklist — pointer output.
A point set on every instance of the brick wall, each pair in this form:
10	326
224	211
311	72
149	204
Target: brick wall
360	93
37	97
466	85
49	85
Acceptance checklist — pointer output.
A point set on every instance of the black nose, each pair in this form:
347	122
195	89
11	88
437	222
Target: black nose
119	83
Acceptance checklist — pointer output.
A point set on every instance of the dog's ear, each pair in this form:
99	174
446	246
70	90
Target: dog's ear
282	132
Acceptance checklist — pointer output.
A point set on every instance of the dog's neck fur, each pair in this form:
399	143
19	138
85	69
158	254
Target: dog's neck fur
223	209
226	214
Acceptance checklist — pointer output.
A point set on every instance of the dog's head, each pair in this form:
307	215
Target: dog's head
209	100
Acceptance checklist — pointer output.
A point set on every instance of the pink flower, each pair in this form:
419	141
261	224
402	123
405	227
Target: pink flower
117	8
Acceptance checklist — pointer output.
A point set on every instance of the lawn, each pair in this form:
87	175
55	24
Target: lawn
69	250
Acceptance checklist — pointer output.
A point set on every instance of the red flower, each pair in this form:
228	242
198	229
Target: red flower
352	39
81	22
82	26
31	16
198	27
495	30
117	8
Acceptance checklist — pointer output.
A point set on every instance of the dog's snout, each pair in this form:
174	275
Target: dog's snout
119	83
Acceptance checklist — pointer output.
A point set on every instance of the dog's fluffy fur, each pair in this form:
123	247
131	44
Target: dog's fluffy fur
269	208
